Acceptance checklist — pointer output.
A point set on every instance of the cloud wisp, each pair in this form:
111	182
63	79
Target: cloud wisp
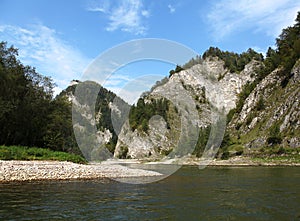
171	8
41	47
126	15
268	16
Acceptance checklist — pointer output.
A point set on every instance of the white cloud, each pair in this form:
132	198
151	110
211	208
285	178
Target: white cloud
41	47
172	8
125	15
145	13
269	16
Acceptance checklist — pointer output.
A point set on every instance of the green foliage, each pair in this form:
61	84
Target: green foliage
230	115
225	155
285	55
104	99
156	85
288	44
30	114
242	96
250	117
177	70
166	152
140	114
25	99
202	141
192	62
226	140
260	104
274	135
124	151
33	153
59	131
233	61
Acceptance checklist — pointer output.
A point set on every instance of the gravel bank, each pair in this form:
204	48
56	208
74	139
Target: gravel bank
54	170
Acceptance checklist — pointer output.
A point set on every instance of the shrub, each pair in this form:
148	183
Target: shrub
274	140
275	137
124	151
225	155
260	104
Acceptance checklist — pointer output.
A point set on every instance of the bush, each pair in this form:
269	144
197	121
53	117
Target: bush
260	104
281	150
275	137
274	140
225	155
124	151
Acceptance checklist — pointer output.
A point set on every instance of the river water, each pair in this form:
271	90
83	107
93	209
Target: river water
215	193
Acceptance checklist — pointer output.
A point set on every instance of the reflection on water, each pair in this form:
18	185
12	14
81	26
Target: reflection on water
256	193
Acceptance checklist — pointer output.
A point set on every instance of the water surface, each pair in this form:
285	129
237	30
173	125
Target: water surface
246	193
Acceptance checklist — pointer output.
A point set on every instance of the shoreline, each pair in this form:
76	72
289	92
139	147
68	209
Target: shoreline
15	170
231	162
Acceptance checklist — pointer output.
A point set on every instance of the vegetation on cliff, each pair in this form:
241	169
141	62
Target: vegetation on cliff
272	101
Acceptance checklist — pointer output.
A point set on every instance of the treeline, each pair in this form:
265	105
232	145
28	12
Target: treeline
29	115
233	61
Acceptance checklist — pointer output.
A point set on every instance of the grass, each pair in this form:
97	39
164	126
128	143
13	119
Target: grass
34	153
278	159
277	155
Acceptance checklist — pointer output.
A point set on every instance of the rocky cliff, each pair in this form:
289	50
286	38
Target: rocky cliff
94	107
197	93
270	114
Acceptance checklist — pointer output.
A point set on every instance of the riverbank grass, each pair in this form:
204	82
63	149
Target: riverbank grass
276	155
34	153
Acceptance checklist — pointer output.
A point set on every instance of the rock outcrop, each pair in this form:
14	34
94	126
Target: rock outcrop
196	95
197	92
270	105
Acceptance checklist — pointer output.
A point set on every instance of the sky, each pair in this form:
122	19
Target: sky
60	38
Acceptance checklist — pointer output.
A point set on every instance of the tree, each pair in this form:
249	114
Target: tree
59	131
25	97
288	44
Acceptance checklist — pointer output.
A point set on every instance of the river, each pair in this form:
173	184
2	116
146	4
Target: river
214	193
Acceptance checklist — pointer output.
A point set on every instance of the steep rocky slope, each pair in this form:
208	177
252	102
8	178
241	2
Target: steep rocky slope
197	93
94	107
271	113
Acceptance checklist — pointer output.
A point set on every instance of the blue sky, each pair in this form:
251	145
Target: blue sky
61	37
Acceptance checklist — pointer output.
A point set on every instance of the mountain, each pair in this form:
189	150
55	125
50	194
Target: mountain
191	96
245	103
152	127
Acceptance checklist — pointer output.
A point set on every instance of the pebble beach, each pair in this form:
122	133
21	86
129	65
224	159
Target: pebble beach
15	170
56	170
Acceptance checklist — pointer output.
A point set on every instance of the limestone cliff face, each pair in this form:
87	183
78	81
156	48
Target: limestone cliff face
270	105
133	144
195	92
221	86
92	124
